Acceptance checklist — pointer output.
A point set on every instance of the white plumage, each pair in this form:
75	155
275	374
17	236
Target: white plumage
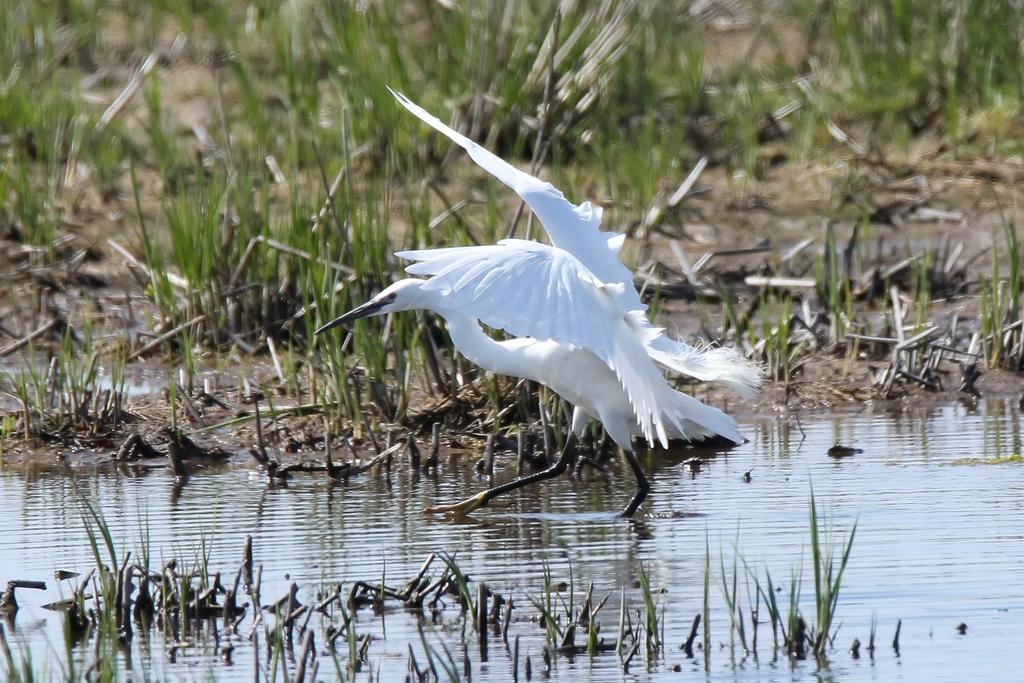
575	229
532	290
579	324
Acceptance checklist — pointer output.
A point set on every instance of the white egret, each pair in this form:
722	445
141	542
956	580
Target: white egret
579	324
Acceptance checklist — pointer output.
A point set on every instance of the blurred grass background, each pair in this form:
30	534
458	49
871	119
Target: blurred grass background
249	155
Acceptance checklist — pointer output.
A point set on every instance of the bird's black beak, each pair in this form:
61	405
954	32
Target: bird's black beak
369	308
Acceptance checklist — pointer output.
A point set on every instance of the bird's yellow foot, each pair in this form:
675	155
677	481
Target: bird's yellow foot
462	507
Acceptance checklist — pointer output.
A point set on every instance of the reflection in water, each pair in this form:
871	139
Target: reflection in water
938	544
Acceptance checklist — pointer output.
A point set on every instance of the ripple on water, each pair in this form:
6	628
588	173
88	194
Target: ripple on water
937	543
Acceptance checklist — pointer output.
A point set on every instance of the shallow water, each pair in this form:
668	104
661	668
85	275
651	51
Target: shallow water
938	543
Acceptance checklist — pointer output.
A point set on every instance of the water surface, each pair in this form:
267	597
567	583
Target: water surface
938	544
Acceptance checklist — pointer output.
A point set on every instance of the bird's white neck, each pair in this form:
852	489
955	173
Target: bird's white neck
504	358
511	357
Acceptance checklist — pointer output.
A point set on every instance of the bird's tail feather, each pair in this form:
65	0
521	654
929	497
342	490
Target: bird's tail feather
708	364
693	420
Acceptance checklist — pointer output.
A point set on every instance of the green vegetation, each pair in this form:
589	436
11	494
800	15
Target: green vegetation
240	169
248	159
1001	312
829	559
1015	458
131	606
69	399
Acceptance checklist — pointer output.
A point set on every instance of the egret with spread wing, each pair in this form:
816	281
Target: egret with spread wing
575	229
578	322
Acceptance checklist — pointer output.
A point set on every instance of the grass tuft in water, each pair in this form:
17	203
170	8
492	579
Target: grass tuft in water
828	568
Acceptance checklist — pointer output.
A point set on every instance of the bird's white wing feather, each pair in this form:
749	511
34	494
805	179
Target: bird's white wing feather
530	289
570	227
575	230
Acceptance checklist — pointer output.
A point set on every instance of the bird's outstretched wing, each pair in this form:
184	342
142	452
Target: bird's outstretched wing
533	290
571	228
574	229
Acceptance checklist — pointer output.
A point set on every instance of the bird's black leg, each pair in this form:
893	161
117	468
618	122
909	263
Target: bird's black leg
484	497
643	487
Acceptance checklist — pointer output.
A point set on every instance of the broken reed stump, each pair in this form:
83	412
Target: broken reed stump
247	561
8	601
134	447
489	456
415	458
548	431
129	448
481	616
919	358
970	369
176	461
261	451
413	452
332	470
506	619
687	646
435	444
515	659
521	446
308	650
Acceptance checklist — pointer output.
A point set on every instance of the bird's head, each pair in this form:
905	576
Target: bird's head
403	295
